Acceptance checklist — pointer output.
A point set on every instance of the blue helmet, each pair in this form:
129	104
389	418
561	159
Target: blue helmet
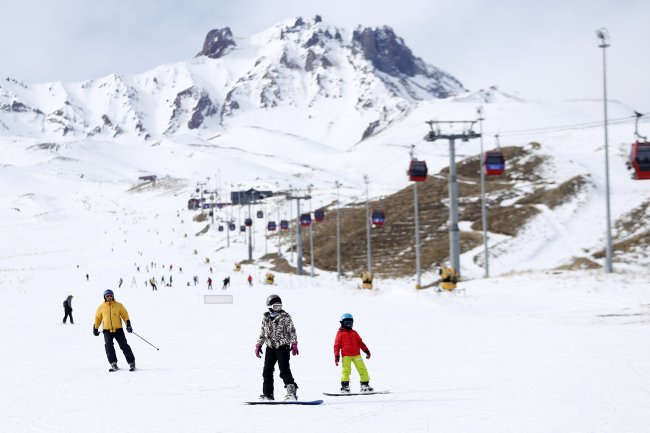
347	321
108	292
347	316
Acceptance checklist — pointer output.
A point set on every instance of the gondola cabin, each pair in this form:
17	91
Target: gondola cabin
211	213
249	222
205	191
219	205
198	190
284	225
378	217
639	161
418	171
260	214
271	226
220	228
193	204
305	219
242	228
319	215
494	163
232	227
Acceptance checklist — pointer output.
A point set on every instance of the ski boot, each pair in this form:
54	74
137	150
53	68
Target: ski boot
266	397
365	387
345	387
291	392
131	366
113	366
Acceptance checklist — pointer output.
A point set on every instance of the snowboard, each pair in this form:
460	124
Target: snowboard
342	394
310	403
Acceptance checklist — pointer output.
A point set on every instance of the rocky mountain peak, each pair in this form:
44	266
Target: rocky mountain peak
218	43
387	51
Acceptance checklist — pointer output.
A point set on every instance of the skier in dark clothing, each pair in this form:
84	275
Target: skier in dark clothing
111	314
153	284
120	283
209	283
67	307
225	283
87	277
279	335
170	279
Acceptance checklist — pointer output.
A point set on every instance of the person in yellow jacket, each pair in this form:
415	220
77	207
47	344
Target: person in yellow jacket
112	313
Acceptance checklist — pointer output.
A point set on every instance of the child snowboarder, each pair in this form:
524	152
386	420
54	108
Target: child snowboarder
350	344
279	335
209	283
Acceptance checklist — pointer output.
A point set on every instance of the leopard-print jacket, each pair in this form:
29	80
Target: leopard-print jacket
277	331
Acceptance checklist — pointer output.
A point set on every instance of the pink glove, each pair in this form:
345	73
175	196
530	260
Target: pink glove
294	349
258	350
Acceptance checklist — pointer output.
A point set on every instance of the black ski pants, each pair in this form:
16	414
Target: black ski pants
121	340
68	312
280	355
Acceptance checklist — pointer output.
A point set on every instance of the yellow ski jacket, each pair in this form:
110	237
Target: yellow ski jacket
110	314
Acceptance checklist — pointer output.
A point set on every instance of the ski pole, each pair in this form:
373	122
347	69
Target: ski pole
147	342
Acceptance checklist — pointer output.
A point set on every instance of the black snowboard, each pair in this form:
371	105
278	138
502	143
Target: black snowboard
342	394
311	403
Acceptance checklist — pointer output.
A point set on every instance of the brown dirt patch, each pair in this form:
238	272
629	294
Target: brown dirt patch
557	196
199	218
204	231
579	263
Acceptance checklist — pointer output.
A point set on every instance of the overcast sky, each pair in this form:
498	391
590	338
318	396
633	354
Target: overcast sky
535	49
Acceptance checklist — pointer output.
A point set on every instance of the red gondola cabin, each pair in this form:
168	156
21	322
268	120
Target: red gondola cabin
319	215
418	171
284	225
242	228
220	228
232	227
494	163
305	219
639	161
271	226
378	217
249	222
260	214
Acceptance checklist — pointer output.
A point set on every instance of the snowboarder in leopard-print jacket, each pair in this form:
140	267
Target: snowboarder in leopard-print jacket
279	335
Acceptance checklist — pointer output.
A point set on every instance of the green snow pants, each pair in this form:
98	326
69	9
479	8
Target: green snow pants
358	363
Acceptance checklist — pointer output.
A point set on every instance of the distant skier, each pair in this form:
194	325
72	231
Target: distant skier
225	283
210	269
154	285
228	281
170	267
209	283
87	277
349	343
162	279
196	280
279	335
120	283
180	270
111	314
250	281
67	308
138	268
170	281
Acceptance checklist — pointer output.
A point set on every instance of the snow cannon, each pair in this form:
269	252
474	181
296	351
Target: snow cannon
270	278
237	267
449	278
366	280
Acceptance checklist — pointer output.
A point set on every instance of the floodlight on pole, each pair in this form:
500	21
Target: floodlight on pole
603	42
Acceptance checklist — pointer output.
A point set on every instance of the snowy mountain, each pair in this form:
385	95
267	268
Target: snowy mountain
336	86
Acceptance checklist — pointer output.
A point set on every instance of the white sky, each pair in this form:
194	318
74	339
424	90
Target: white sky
536	49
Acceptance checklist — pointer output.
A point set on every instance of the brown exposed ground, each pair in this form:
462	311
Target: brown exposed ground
631	237
204	231
579	263
200	217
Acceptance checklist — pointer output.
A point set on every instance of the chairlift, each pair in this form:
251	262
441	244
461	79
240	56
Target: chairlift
220	228
242	229
305	219
378	217
232	227
639	160
319	215
418	171
271	226
284	225
249	222
260	214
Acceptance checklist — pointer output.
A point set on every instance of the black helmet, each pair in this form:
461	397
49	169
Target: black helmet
272	300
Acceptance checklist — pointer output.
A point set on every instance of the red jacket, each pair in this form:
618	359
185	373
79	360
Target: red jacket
349	343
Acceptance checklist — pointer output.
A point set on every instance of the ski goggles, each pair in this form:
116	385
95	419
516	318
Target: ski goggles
109	296
276	307
348	323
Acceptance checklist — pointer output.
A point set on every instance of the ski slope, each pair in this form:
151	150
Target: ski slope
531	351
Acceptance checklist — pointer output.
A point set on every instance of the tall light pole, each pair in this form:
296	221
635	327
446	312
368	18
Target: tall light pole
277	184
338	233
311	233
483	211
417	224
603	39
365	178
297	199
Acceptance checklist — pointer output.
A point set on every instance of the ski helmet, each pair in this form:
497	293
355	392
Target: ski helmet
347	321
272	300
109	292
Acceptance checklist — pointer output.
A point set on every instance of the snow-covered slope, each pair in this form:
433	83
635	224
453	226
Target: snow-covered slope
303	77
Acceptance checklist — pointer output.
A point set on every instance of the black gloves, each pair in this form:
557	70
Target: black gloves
95	331
128	326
